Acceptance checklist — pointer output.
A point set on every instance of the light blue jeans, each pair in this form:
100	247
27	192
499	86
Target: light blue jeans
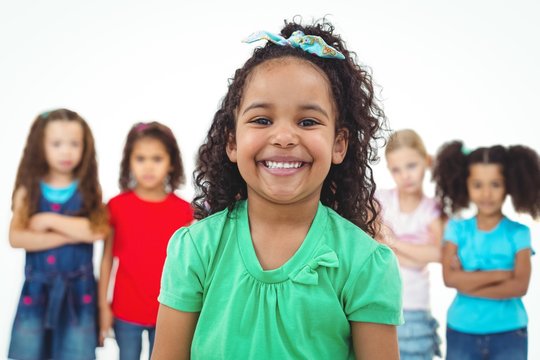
418	338
129	338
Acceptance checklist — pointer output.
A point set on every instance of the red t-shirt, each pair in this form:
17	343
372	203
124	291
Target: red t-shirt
142	230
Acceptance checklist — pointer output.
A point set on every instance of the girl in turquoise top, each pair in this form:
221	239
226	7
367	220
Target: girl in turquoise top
487	258
281	264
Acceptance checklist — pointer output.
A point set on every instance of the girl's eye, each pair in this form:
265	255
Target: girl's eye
261	121
411	166
157	159
307	122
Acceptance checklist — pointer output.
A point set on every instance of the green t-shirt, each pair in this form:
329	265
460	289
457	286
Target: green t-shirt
298	311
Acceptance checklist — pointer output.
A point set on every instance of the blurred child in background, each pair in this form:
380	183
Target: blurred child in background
413	226
143	217
57	215
487	258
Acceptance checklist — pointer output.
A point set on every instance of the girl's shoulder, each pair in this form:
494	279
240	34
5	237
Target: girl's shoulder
19	195
517	231
211	228
121	198
349	241
206	234
177	200
385	195
461	225
429	207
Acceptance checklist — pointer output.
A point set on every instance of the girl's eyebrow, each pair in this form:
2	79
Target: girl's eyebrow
256	105
263	105
314	107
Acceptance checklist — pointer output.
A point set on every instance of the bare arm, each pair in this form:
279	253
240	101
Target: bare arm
74	227
174	334
405	261
467	281
516	286
24	238
105	311
419	255
374	341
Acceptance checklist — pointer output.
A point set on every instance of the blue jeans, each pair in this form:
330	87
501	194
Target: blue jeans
129	338
418	338
497	346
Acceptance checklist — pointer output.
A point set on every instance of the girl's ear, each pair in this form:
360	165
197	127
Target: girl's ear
341	143
231	148
429	161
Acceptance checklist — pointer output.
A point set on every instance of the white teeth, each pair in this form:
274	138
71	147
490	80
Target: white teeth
283	165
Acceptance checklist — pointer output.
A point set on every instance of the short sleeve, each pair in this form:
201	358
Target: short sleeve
183	275
433	211
451	232
522	238
383	196
374	295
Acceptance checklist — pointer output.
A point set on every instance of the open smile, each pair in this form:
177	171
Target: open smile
283	168
283	164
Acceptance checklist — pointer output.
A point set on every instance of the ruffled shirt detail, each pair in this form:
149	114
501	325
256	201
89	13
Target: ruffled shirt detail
307	274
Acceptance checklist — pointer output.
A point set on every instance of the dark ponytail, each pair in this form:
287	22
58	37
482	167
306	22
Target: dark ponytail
523	179
450	174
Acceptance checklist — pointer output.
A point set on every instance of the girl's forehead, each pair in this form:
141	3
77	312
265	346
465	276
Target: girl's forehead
262	79
149	143
275	63
404	152
486	170
62	126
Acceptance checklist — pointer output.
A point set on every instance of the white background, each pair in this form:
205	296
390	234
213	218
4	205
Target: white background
449	69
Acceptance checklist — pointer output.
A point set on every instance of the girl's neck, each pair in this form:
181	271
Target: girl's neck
408	202
278	231
58	179
278	215
487	222
150	194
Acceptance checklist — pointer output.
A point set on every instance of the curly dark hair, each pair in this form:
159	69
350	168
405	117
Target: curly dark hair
349	187
162	133
521	171
33	168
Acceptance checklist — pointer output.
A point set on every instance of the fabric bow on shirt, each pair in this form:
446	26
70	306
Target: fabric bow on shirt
308	273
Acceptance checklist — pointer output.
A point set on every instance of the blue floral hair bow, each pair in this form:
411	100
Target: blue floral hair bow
309	43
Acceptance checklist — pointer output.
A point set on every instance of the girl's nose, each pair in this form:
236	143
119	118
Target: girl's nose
284	135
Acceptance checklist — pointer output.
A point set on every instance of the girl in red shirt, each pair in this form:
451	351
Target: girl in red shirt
143	217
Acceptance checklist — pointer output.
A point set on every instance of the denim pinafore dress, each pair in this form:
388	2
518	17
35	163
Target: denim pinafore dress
57	314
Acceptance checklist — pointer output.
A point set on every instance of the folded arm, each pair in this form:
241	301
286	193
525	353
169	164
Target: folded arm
419	255
20	236
75	227
515	286
467	281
